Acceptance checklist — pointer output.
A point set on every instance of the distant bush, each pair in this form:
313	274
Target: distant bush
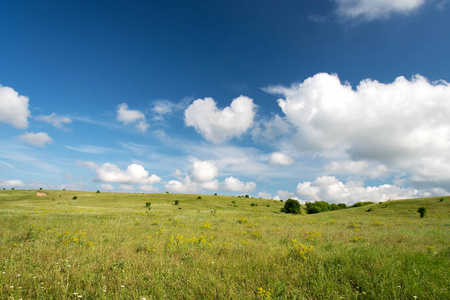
247	196
292	206
12	189
64	190
199	197
359	204
317	207
370	209
441	200
74	198
177	202
98	191
335	206
148	204
253	204
234	201
268	205
40	189
422	211
342	206
215	194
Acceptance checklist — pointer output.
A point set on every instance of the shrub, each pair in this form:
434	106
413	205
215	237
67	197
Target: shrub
74	198
359	204
215	194
247	196
292	207
234	201
40	189
253	204
148	204
317	207
177	202
199	197
422	211
335	207
370	209
98	191
64	190
342	206
441	200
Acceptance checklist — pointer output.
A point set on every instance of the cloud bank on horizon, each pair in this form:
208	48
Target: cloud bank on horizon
320	138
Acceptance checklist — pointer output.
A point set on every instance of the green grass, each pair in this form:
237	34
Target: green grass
111	246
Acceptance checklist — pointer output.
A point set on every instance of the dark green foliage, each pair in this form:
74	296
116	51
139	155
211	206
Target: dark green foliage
199	197
253	204
74	198
40	189
268	205
247	196
12	189
342	205
370	209
359	204
335	206
64	190
215	194
98	191
234	201
148	204
317	207
441	200
422	211
177	202
292	206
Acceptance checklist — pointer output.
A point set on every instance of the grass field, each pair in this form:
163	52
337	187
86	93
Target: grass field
112	246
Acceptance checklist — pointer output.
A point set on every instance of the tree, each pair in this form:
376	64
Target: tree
292	207
422	211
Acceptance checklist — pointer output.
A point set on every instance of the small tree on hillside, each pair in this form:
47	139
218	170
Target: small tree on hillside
422	211
292	207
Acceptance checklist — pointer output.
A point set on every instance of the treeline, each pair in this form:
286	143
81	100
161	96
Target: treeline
322	206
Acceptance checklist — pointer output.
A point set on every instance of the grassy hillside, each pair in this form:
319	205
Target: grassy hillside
111	246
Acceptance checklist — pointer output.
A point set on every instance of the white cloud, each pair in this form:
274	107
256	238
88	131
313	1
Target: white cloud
203	171
278	158
234	184
375	9
148	188
14	183
130	116
36	139
13	108
55	120
264	195
134	174
175	186
270	129
91	149
360	168
395	125
89	164
218	125
330	189
106	187
202	175
126	187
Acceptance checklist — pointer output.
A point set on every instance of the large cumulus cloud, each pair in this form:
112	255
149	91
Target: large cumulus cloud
403	124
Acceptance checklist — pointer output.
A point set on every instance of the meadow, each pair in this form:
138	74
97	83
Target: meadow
119	246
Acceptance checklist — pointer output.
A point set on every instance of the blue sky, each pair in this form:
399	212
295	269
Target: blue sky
335	100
